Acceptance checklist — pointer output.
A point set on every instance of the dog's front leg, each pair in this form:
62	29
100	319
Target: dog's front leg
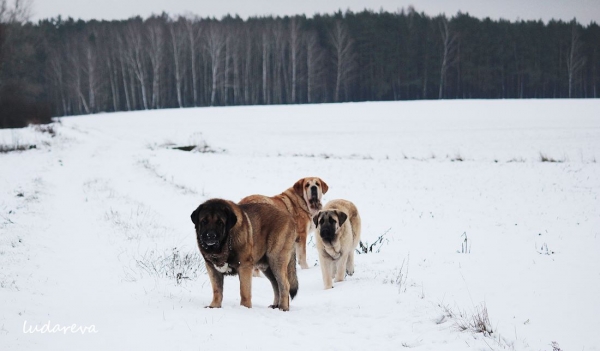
340	272
216	281
245	273
326	270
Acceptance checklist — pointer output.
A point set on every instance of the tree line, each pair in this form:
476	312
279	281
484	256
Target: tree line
69	67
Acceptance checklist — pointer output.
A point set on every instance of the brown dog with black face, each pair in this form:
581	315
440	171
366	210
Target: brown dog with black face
302	201
338	234
234	239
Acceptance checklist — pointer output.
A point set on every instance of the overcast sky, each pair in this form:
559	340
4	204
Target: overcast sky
584	10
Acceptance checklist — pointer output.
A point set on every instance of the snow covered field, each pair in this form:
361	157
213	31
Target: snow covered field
95	227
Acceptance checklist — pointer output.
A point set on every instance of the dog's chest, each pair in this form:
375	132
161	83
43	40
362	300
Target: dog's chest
225	269
334	251
224	265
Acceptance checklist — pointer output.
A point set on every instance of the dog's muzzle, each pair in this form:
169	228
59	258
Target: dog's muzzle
327	234
210	240
314	201
314	192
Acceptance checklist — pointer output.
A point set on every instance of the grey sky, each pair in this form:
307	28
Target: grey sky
584	10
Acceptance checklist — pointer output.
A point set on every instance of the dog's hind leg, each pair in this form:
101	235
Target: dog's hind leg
269	274
280	268
301	247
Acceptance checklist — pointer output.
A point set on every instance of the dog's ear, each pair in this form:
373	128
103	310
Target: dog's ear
299	188
324	186
194	215
316	219
231	218
342	216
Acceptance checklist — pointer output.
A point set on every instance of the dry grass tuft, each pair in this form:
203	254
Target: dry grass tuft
478	322
546	158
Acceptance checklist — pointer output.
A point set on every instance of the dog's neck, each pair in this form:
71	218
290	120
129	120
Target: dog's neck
313	206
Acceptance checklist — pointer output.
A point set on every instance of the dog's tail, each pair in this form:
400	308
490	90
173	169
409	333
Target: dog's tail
292	276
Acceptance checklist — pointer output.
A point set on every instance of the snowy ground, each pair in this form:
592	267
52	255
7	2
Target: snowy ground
94	226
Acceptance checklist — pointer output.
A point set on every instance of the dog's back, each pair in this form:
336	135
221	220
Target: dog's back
274	233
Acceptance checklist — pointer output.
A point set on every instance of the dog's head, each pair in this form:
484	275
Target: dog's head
213	220
311	189
328	224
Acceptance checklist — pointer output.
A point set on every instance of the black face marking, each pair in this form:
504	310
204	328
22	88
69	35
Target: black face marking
313	192
211	236
313	199
327	226
213	220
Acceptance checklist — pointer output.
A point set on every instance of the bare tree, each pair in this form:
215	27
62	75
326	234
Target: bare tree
3	11
279	82
228	75
136	58
193	31
449	50
90	68
265	66
295	47
57	76
575	60
236	53
112	65
177	43
314	65
155	53
343	56
20	11
249	80
215	44
123	60
76	75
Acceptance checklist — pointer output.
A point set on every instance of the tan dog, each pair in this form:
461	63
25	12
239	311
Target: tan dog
302	201
234	239
338	234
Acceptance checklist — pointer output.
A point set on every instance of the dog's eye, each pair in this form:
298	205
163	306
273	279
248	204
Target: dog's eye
204	221
307	185
219	223
317	184
331	220
321	221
